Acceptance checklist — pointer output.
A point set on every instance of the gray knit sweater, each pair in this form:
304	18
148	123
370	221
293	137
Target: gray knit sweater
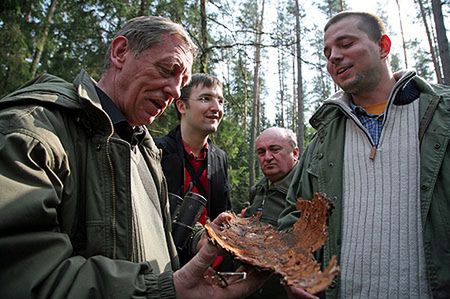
382	252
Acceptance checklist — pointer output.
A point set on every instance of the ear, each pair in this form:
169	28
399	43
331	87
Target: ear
181	107
385	45
296	152
119	51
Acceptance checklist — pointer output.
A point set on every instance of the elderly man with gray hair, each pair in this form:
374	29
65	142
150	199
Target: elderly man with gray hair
278	153
83	198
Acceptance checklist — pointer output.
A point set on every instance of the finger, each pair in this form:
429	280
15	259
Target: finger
191	274
202	260
222	217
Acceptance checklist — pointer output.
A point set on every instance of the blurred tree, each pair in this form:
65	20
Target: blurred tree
442	41
256	105
402	33
300	130
424	13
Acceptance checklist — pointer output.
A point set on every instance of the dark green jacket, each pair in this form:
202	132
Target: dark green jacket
321	167
270	200
65	198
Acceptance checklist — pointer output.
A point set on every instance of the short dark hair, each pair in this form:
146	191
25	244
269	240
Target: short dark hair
145	32
197	79
369	23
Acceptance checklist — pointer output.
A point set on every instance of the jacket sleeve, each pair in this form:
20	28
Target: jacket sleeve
36	255
302	185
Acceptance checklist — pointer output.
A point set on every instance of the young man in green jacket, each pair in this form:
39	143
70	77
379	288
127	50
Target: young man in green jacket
382	156
83	199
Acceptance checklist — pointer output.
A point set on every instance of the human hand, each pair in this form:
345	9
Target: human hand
191	283
217	223
298	293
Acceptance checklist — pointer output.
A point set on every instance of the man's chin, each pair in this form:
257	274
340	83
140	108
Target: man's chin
211	129
144	121
270	171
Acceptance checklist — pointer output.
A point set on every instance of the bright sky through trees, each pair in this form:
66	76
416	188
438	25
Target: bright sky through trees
411	27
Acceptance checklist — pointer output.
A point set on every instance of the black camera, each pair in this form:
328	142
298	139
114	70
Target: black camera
185	213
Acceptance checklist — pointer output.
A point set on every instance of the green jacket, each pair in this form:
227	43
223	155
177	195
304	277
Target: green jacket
65	199
270	200
321	167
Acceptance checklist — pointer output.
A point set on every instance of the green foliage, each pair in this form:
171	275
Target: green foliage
395	61
16	31
232	140
14	51
422	61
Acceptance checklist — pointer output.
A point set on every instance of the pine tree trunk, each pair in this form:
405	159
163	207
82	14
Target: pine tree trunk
437	67
204	33
42	39
281	84
294	93
442	40
245	100
402	34
300	116
256	95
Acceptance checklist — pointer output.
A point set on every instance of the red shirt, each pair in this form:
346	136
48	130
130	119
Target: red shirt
196	163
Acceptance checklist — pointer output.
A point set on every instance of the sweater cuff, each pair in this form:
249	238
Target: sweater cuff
162	287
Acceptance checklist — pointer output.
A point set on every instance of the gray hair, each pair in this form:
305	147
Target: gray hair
146	31
285	134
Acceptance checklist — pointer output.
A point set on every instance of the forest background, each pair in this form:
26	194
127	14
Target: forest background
268	53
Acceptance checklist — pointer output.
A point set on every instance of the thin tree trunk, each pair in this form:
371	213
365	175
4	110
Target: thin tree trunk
442	40
294	92
204	57
402	34
256	95
42	39
300	116
143	8
437	67
281	83
245	79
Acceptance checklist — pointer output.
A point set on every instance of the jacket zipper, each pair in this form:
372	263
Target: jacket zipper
374	148
113	218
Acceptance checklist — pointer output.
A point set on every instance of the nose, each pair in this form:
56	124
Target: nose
173	87
215	105
268	156
335	55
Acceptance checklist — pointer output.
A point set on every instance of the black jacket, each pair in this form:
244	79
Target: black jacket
217	171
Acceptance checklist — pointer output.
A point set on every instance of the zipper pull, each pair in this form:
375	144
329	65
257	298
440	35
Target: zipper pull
373	152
